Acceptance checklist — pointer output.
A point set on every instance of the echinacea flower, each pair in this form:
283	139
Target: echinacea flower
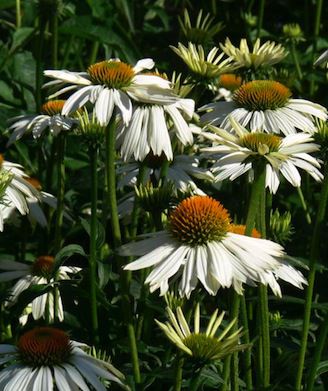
41	272
36	213
199	244
180	172
110	84
227	85
266	54
46	359
203	67
241	150
150	127
204	346
15	189
265	105
284	272
50	117
322	59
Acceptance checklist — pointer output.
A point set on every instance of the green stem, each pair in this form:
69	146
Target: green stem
317	354
93	153
296	61
227	363
260	17
316	31
39	63
94	52
116	233
111	181
304	206
178	372
18	14
195	381
257	209
246	340
60	144
314	254
54	40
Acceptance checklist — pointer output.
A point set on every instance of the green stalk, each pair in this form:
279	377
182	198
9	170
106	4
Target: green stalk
260	17
257	199
178	372
317	354
60	146
54	39
304	206
316	31
93	153
18	14
296	61
227	362
39	63
116	232
195	381
111	181
314	255
247	356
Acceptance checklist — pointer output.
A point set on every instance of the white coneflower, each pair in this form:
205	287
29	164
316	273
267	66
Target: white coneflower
111	83
50	117
203	67
41	272
266	54
15	189
36	213
228	83
322	59
199	244
204	346
241	150
265	105
45	359
284	272
150	127
180	172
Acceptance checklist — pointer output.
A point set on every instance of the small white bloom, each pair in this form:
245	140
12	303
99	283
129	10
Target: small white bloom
262	55
180	172
283	155
15	189
50	117
204	67
148	130
39	273
46	359
265	105
199	244
109	84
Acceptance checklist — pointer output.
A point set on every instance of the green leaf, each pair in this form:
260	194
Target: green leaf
100	233
67	252
20	37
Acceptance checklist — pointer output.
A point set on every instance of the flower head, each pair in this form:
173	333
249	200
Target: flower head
241	151
204	68
200	244
262	55
50	117
15	189
204	29
265	105
46	357
40	272
110	84
151	126
204	346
